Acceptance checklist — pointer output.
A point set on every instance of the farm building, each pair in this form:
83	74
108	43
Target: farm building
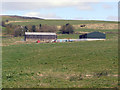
93	35
42	36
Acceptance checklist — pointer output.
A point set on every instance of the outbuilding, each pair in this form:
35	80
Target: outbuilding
93	35
42	36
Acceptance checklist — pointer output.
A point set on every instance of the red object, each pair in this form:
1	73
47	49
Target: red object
38	41
55	41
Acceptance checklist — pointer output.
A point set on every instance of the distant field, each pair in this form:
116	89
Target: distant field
52	22
92	30
87	64
59	22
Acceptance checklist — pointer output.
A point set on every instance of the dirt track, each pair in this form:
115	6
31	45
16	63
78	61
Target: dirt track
18	21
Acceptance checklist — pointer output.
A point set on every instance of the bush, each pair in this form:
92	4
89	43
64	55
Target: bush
17	30
26	28
67	29
3	24
9	29
7	20
33	28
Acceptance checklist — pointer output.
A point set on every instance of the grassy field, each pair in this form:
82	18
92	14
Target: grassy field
85	64
99	30
52	22
60	22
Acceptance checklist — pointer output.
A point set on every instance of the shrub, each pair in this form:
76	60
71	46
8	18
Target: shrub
26	28
15	30
19	32
29	28
3	24
9	29
7	20
33	28
67	29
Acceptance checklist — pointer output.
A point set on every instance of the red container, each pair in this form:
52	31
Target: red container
38	41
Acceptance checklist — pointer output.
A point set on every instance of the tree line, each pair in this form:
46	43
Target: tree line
18	30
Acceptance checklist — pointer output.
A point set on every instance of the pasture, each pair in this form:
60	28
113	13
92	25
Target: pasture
52	22
85	64
59	22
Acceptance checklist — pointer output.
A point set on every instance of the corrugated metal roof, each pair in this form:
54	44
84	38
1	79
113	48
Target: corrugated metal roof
39	33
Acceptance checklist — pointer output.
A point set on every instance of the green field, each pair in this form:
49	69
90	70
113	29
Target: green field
60	22
52	22
85	64
93	30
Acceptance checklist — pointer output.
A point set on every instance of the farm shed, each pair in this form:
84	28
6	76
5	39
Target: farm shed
93	35
42	36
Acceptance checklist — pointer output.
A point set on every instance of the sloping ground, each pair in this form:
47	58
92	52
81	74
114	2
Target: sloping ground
95	26
98	26
87	26
15	18
61	65
17	21
50	22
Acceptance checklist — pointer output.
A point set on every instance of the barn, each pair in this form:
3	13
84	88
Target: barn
93	35
42	36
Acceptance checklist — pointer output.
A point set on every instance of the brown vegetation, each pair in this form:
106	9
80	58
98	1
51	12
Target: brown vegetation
97	26
67	29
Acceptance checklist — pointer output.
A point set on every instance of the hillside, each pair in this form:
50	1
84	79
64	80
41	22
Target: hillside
20	20
89	24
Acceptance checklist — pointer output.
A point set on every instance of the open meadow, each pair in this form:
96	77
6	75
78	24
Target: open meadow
60	44
84	64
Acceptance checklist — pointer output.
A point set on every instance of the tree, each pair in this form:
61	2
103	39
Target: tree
29	28
15	30
67	29
7	20
26	28
40	25
10	29
18	31
3	24
33	28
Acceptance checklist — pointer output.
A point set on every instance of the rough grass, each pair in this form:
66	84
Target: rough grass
92	30
59	22
85	64
52	22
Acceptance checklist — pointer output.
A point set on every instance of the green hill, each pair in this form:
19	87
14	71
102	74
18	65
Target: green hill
18	18
37	21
